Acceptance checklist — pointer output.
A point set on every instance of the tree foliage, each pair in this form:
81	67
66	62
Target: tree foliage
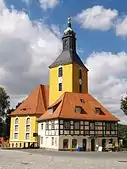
124	105
4	101
4	107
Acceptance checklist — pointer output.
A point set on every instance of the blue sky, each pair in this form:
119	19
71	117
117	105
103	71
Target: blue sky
27	49
88	41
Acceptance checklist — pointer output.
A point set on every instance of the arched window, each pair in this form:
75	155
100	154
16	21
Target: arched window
16	128
28	121
65	143
27	128
16	121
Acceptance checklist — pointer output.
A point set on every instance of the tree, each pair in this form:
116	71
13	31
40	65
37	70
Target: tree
124	105
4	101
4	106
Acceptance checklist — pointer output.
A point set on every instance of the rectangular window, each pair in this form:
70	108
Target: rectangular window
15	135
66	124
91	126
56	141
52	125
41	126
16	128
77	126
107	126
60	86
52	141
27	128
27	136
80	88
60	72
47	125
41	140
113	127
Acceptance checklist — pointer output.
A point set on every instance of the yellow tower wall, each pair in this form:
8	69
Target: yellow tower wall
54	94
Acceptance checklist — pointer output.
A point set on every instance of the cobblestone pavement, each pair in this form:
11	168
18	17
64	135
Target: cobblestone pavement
38	159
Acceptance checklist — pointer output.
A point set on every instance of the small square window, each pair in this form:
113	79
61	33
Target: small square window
27	136
52	141
60	86
41	126
82	100
15	135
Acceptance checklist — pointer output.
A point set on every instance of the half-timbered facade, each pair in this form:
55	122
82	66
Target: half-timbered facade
77	120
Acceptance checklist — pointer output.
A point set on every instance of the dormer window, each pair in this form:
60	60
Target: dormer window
99	111
82	100
60	72
50	110
79	109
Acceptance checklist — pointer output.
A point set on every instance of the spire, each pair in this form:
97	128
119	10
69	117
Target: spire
69	22
69	29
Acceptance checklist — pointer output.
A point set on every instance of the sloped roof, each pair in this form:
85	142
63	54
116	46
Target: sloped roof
67	57
35	103
66	108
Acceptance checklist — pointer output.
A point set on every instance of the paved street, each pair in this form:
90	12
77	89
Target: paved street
39	159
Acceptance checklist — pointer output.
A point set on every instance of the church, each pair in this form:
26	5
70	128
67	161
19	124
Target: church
63	115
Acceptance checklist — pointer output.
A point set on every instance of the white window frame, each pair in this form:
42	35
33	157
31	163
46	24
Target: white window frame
16	132
27	124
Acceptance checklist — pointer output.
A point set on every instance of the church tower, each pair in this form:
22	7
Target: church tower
67	72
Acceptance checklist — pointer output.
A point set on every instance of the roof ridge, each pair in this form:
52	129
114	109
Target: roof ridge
43	95
38	98
65	93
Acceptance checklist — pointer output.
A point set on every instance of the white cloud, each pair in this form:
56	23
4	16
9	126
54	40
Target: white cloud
26	50
121	27
107	79
45	4
97	18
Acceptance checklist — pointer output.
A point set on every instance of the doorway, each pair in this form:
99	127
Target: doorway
103	144
84	143
92	144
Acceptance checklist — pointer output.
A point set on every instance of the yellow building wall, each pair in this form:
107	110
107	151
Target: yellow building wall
76	68
54	94
22	127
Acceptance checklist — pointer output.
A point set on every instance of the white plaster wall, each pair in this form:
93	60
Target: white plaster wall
47	139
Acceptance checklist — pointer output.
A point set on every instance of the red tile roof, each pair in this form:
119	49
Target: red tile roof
35	103
65	108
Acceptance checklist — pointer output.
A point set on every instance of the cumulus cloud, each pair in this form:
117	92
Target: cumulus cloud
97	18
108	80
26	50
121	27
45	4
